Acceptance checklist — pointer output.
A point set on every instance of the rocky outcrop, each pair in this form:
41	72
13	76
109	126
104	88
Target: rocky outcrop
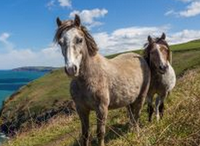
11	125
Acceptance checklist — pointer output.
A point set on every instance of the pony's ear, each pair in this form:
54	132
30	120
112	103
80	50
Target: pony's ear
163	36
77	20
150	39
59	22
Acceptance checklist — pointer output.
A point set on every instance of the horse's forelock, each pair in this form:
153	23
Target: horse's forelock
67	25
148	47
164	42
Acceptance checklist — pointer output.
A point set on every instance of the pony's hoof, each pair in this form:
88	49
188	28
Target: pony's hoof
157	118
134	128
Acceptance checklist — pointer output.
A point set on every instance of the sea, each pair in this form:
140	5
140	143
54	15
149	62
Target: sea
11	81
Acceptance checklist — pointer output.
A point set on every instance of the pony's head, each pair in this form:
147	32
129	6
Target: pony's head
76	44
157	53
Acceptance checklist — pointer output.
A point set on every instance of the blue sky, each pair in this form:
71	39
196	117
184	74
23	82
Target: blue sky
27	27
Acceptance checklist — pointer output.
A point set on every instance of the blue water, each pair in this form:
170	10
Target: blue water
11	81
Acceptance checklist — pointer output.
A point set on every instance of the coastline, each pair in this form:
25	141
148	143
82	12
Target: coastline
11	81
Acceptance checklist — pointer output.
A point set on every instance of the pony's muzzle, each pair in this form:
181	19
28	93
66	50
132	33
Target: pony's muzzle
71	71
163	68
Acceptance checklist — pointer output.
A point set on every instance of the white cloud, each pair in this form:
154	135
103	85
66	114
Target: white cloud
135	37
192	9
183	36
88	16
4	41
65	3
50	4
171	12
125	39
62	3
4	36
50	56
119	40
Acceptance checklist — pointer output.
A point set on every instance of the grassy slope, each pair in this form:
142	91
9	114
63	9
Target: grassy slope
186	46
180	125
41	94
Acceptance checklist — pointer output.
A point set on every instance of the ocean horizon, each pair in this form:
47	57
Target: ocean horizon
11	81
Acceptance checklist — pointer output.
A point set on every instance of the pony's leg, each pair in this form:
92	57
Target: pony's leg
158	102
160	106
130	114
161	110
134	120
84	117
136	108
150	109
102	112
134	123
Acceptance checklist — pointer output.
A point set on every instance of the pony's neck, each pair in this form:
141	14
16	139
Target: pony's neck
88	67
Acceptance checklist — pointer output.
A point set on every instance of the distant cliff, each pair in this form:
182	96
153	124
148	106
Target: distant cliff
34	68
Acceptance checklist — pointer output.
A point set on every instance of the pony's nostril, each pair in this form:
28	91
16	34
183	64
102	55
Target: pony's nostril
161	67
75	68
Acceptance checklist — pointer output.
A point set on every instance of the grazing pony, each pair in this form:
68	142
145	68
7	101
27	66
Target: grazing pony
98	83
158	56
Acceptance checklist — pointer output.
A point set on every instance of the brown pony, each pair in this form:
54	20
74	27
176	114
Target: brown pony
158	55
98	83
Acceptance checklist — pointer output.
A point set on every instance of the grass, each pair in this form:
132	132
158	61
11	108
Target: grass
184	60
180	125
52	90
186	46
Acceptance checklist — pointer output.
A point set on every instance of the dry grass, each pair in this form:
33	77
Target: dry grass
180	125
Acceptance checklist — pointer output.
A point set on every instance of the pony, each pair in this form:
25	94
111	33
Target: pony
163	79
99	83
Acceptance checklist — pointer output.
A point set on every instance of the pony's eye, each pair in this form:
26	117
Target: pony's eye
152	52
79	40
60	42
164	50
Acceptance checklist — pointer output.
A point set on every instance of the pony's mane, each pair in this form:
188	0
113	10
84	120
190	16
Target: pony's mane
67	25
147	48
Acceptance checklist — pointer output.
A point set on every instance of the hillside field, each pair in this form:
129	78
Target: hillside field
180	125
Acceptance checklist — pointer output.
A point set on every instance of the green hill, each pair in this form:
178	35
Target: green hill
180	125
195	44
51	93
